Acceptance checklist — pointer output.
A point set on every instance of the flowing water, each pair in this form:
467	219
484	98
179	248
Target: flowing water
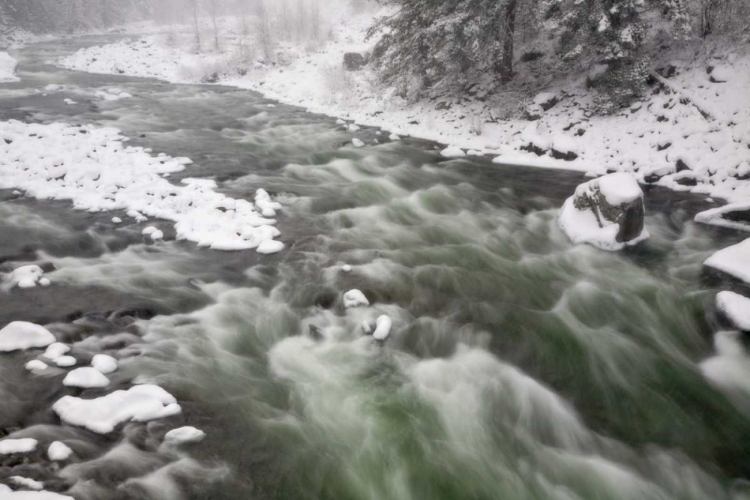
519	366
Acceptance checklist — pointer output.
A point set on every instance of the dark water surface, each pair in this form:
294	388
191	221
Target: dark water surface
519	366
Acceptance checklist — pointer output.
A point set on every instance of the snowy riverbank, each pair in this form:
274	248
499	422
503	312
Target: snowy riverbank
692	132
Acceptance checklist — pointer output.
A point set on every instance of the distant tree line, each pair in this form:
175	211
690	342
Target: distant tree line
60	16
441	46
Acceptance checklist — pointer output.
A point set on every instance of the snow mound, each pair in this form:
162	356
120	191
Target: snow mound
355	298
20	336
722	74
25	482
56	350
270	246
564	144
36	366
86	377
733	260
736	307
66	361
8	68
94	169
184	435
104	363
25	445
716	216
32	495
452	152
357	143
24	277
58	451
101	415
382	327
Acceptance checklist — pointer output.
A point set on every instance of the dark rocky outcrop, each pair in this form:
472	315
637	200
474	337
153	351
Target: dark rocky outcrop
354	61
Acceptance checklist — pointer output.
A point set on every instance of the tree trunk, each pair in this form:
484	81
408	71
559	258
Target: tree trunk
195	25
216	31
506	65
105	13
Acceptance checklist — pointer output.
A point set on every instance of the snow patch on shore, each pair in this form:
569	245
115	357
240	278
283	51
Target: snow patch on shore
8	68
94	169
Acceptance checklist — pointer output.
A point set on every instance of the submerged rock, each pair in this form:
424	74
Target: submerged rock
606	212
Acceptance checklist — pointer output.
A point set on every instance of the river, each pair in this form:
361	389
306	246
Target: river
519	366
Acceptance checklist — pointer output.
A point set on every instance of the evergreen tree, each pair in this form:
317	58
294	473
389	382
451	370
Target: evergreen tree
440	44
612	35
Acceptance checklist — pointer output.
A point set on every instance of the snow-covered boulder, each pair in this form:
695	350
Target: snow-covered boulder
355	298
104	363
733	260
382	327
24	277
23	445
564	147
452	152
8	68
546	100
101	415
736	308
733	216
20	336
85	378
721	74
58	451
606	212
184	435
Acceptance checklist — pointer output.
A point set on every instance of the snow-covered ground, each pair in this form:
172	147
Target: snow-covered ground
7	68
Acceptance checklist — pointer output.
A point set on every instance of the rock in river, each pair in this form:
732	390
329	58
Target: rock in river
606	212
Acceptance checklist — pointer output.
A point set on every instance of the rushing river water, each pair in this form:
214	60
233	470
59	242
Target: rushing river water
519	366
